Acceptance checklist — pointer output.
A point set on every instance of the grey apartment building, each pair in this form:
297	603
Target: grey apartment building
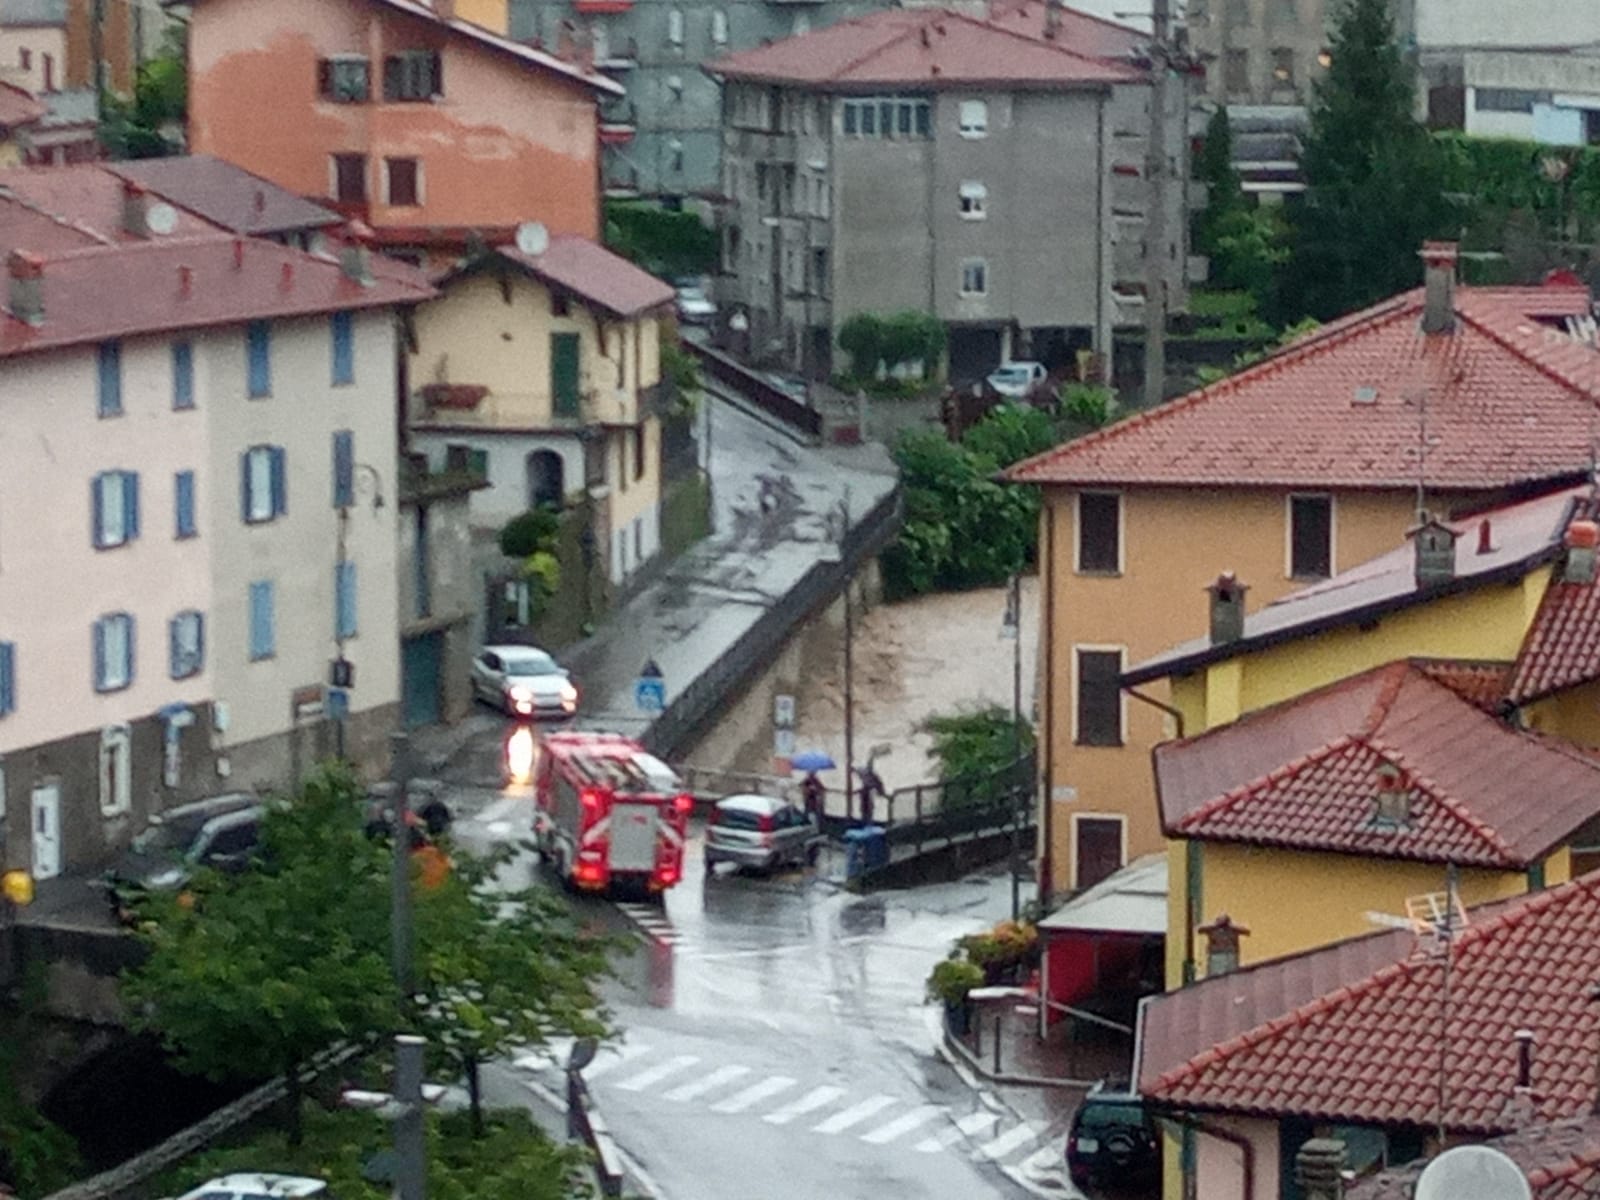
987	170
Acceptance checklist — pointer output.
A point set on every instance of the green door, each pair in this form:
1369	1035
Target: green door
564	373
421	677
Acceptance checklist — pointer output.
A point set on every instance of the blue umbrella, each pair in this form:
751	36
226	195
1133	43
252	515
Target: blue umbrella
811	760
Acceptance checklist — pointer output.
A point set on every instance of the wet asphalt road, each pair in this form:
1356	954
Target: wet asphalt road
776	1045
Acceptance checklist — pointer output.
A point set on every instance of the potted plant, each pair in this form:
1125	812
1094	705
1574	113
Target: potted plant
1003	952
949	983
453	395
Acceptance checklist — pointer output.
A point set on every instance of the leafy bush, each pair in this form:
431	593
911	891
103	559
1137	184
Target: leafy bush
665	243
861	337
1087	404
877	344
972	745
680	371
1011	433
952	978
530	532
1007	943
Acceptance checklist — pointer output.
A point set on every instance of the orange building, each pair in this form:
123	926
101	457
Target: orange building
429	128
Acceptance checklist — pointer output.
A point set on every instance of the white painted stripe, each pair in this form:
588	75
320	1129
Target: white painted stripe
754	1094
810	1102
854	1116
658	1072
1012	1139
902	1124
613	1057
712	1081
968	1126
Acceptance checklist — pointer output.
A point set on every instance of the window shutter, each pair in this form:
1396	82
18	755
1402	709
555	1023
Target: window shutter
97	637
182	375
261	620
97	512
127	642
280	483
324	78
110	364
244	487
175	647
344	358
130	505
8	678
258	343
393	73
183	501
199	641
343	469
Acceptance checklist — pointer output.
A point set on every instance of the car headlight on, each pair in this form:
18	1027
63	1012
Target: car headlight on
520	694
569	694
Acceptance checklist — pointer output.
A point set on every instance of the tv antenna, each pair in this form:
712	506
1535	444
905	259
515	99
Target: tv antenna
1473	1173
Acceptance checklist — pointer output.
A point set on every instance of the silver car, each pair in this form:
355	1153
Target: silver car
524	681
762	832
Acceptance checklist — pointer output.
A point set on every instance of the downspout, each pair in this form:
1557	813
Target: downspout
1047	759
1191	868
1247	1152
1101	325
1177	717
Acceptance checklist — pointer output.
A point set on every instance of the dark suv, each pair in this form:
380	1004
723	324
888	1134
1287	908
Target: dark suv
220	833
1114	1146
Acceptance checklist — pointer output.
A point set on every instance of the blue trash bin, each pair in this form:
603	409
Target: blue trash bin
855	852
875	844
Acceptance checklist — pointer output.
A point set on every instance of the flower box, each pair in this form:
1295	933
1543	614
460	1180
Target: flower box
454	395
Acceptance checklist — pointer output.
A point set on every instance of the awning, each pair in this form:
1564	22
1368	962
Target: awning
1132	900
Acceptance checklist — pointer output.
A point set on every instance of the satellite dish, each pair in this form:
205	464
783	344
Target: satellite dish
533	239
1473	1173
161	218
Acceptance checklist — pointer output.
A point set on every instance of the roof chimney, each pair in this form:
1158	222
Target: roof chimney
135	205
1319	1169
1434	547
27	286
1227	609
355	256
1519	1109
1485	537
1222	945
261	200
185	279
1052	19
1581	539
1393	808
1439	275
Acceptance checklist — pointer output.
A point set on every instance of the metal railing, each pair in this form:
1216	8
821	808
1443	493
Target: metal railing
773	401
585	1122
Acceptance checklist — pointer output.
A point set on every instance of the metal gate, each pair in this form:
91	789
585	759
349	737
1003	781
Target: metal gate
421	660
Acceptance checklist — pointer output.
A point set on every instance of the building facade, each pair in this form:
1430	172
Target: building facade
439	593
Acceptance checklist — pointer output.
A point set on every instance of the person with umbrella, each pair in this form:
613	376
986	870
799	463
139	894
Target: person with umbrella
812	788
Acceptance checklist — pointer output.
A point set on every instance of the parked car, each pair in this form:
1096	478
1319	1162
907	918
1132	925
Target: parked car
1016	380
762	832
1113	1146
220	832
524	681
259	1187
694	306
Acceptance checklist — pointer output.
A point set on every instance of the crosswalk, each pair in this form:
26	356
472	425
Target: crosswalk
876	1119
652	922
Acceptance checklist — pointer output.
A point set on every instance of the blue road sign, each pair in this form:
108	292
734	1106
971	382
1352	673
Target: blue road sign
650	693
338	703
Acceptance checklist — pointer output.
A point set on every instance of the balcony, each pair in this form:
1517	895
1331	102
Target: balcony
760	146
621	179
473	406
590	7
618	54
618	122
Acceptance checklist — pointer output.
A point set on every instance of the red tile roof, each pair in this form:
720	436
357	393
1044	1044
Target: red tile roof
926	48
1368	1052
1561	1160
18	107
1083	31
1303	775
87	196
1506	403
1562	646
228	196
1480	683
107	292
593	273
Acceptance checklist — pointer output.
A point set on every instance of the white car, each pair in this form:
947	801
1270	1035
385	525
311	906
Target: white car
524	681
258	1187
1017	379
694	306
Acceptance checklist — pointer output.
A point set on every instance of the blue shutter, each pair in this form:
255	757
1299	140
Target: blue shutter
97	636
183	502
174	651
344	348
344	469
110	389
280	482
130	505
344	600
8	678
261	620
199	642
128	661
96	513
182	375
258	342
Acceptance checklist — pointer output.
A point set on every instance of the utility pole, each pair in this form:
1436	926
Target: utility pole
849	664
400	871
411	1154
1156	259
1013	630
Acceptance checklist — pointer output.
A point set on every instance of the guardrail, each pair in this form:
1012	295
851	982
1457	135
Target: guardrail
773	401
584	1121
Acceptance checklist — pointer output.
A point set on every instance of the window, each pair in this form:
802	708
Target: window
974	277
344	79
719	27
973	196
421	558
258	353
675	26
350	178
1098	719
25	58
1511	100
182	375
412	75
183	504
263	494
1236	72
344	469
186	644
113	652
8	678
342	328
114	498
675	154
469	459
344	600
973	119
1310	537
903	117
108	393
263	631
1283	68
403	181
116	774
1099	533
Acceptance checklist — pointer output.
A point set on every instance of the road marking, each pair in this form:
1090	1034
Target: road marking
810	1102
968	1126
652	922
613	1057
658	1072
902	1124
854	1116
754	1094
1012	1139
701	1086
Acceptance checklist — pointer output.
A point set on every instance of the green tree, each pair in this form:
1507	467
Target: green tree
534	537
1010	433
265	968
1213	166
663	242
1372	176
143	125
978	745
862	338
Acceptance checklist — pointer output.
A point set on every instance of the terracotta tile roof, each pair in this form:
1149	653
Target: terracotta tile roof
227	196
590	271
84	195
927	48
18	107
1561	1160
1083	31
1506	404
1562	647
1304	775
1368	1052
106	292
1522	537
1480	683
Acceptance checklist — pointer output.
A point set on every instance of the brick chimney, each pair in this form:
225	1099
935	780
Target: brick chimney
1052	19
355	256
1222	945
27	286
1392	799
1319	1169
1227	609
1582	538
1434	547
135	209
1439	283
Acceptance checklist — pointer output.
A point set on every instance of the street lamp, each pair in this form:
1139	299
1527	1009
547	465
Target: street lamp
404	1107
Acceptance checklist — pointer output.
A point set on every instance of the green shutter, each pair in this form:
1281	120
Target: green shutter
564	374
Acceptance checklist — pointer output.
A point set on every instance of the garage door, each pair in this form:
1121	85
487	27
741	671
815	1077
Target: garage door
421	678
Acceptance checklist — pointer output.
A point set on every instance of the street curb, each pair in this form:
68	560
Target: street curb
640	1185
972	1070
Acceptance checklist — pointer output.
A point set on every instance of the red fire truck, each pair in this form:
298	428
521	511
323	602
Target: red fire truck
607	813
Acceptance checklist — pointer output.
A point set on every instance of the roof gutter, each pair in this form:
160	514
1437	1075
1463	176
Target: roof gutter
1175	714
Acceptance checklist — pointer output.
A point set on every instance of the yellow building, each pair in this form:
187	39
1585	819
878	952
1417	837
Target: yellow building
1287	473
542	372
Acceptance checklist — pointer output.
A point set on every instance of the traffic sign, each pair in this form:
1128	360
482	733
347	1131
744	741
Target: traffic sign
783	711
650	693
783	743
338	703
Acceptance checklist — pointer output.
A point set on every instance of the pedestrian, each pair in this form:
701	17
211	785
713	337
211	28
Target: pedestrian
815	795
870	785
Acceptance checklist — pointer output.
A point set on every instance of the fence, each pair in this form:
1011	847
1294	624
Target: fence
773	401
584	1121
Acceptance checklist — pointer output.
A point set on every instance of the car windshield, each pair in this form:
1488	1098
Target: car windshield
738	818
1018	373
531	664
1102	1114
169	836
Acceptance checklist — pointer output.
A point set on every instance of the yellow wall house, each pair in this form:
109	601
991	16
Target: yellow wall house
543	373
1285	474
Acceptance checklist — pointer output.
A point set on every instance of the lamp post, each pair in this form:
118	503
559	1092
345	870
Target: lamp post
1012	628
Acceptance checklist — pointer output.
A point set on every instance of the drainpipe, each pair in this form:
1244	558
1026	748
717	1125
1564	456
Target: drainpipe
1247	1152
1047	759
1172	712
